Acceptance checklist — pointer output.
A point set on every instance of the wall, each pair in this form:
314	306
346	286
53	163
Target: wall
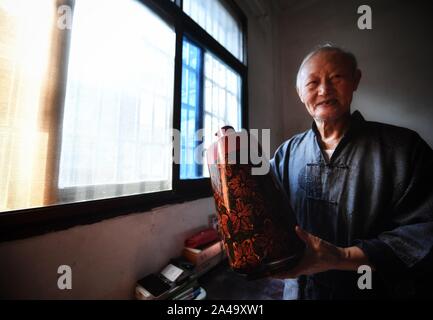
263	102
395	58
108	257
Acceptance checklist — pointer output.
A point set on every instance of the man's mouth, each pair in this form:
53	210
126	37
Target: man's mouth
330	102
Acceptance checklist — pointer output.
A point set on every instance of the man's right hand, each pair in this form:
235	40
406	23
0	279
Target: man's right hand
320	256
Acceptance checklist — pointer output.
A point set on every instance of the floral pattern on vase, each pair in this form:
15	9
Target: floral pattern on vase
246	205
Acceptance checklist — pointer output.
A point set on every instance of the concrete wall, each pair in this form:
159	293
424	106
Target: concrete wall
395	58
108	257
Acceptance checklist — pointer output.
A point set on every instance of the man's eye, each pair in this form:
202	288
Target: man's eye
311	83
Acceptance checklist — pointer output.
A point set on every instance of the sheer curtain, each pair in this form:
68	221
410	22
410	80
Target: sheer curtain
116	135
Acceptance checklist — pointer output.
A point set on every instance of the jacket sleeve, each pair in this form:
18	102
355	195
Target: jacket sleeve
408	246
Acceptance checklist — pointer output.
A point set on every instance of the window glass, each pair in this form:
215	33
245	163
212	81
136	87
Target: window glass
116	135
222	99
218	20
220	106
191	115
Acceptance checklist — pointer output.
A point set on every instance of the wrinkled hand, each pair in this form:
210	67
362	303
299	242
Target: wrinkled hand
319	256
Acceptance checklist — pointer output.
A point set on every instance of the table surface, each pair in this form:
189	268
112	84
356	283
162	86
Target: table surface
222	283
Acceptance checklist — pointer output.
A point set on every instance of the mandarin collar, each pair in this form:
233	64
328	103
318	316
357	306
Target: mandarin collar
356	121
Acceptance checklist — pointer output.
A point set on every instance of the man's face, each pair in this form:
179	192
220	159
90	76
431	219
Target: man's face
326	85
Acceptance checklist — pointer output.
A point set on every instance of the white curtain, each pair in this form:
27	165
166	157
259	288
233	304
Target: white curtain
116	135
27	78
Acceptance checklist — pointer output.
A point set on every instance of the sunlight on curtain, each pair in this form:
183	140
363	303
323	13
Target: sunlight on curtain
116	136
26	29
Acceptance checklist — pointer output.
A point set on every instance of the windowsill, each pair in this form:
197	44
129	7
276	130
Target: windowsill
20	224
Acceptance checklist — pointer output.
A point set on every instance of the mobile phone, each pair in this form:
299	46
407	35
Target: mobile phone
151	287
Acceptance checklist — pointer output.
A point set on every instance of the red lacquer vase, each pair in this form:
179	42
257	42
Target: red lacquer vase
254	215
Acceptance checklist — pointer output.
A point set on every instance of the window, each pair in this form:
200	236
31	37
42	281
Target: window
87	113
119	102
220	105
117	114
216	17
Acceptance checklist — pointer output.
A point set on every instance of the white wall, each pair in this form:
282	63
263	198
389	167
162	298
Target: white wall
395	58
263	102
106	258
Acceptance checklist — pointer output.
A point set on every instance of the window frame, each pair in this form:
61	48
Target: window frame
23	223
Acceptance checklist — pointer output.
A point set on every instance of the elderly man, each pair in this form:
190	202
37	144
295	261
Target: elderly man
361	191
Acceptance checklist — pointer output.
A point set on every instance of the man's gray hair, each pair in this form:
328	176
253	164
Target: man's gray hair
328	48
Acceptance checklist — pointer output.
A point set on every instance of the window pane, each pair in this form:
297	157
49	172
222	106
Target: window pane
222	103
221	106
218	20
119	101
190	110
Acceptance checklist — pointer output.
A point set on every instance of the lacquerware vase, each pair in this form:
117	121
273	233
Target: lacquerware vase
254	215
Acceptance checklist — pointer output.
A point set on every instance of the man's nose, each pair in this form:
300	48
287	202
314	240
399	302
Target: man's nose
325	87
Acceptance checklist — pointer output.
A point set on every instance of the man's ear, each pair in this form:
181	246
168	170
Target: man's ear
357	79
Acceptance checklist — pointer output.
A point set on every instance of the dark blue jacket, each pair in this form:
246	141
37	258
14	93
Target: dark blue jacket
376	192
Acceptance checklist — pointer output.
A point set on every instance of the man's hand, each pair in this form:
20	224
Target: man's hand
320	256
